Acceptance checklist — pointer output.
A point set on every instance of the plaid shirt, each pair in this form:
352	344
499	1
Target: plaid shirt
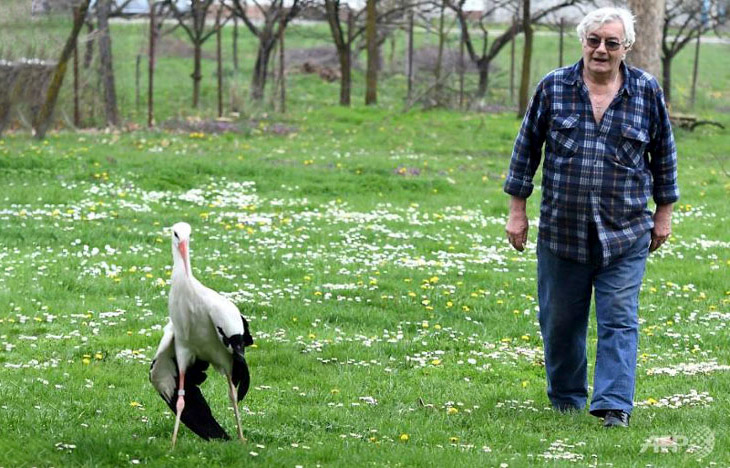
595	173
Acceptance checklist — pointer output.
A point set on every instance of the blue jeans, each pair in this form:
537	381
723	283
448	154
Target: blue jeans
564	294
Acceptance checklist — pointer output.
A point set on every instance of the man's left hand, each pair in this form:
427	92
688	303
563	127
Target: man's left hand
662	226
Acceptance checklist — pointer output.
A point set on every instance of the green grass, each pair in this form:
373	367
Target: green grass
331	252
366	247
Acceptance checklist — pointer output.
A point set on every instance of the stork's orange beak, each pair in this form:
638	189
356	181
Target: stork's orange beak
183	248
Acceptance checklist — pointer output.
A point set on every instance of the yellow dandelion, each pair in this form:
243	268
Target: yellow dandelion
404	437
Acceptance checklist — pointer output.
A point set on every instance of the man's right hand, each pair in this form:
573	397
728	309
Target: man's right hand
517	225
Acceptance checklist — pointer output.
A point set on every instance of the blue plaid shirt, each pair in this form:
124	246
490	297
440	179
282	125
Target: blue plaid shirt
595	173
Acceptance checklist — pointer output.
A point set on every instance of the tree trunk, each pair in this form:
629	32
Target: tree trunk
197	73
695	69
235	43
512	62
409	61
391	58
282	69
526	59
151	69
219	60
371	91
137	83
646	52
346	72
483	66
343	45
440	54
42	119
77	109
345	76
461	71
106	64
89	53
667	78
258	81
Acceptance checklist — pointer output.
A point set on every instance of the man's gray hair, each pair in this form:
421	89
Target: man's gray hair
601	16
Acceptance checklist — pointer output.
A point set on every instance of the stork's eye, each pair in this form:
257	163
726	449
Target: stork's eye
176	236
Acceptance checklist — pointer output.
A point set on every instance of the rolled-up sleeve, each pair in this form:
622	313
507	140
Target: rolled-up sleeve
663	152
527	151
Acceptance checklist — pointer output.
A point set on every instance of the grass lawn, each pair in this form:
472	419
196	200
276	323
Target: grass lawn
367	250
393	323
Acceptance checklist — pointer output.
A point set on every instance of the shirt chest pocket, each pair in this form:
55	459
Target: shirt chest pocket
632	146
565	135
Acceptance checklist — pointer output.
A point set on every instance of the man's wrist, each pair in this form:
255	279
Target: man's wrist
664	210
517	206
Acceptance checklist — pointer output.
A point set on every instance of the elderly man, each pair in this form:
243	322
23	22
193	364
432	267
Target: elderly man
608	148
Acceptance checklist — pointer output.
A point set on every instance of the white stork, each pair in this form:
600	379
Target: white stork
204	328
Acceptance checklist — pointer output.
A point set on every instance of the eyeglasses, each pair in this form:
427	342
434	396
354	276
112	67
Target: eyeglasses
595	42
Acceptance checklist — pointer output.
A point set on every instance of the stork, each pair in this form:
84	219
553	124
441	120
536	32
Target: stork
204	328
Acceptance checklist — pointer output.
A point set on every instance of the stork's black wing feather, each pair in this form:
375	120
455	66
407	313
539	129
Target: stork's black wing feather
196	414
240	375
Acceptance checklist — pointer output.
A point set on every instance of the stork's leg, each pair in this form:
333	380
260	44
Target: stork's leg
180	407
234	401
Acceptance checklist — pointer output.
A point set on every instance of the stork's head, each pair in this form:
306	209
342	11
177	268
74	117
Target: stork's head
181	243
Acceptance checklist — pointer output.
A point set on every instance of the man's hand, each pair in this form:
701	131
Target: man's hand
662	226
517	225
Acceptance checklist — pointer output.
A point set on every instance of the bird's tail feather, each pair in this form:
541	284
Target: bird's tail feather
197	415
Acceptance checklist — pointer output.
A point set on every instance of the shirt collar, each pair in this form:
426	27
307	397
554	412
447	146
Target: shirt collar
574	75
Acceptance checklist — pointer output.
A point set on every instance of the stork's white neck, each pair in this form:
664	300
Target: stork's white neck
181	266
